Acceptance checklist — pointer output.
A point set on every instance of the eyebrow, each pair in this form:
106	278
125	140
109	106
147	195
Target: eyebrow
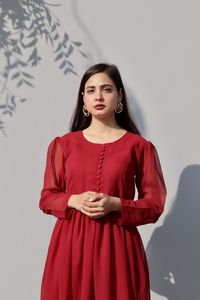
102	86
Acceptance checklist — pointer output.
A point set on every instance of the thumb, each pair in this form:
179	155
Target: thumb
95	197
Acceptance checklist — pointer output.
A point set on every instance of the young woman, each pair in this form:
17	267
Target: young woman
96	252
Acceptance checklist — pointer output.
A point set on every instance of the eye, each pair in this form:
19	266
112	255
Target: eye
90	91
107	89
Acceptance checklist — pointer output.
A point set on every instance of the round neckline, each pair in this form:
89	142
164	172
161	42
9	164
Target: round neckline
107	143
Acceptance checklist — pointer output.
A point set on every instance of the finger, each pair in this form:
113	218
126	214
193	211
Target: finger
92	204
92	215
92	209
87	196
91	193
96	197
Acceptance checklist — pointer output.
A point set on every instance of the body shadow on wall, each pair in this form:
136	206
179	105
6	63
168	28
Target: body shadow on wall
174	249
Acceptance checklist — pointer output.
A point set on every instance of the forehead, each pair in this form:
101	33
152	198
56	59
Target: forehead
99	79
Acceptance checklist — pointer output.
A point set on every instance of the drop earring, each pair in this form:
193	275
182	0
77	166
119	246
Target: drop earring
119	108
85	111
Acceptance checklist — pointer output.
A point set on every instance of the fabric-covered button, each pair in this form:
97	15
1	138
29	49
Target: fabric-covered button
99	166
99	172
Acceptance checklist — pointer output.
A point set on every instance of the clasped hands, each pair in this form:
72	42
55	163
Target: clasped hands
94	205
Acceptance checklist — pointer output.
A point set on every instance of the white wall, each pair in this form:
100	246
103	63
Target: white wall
156	46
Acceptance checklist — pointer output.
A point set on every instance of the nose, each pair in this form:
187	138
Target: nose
99	95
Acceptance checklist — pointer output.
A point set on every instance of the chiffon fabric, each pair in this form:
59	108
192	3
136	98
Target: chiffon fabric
104	258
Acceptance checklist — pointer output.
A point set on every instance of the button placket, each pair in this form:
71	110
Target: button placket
99	168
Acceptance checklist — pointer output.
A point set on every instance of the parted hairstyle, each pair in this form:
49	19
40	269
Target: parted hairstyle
79	121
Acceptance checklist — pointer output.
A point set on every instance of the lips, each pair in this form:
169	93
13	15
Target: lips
99	106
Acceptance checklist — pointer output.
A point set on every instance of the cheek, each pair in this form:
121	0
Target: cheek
87	101
113	101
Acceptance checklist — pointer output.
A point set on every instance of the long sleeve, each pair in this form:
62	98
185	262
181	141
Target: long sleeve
54	198
151	190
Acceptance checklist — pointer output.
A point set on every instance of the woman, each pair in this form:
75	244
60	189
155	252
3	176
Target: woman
96	251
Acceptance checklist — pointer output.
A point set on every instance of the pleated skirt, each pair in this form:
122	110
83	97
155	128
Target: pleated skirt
95	260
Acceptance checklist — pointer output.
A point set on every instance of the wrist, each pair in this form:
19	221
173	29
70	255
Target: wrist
71	201
116	204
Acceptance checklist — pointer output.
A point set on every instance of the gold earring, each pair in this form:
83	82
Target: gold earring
85	111
119	108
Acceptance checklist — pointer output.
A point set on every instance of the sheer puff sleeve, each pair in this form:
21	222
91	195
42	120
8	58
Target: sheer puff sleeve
151	190
54	198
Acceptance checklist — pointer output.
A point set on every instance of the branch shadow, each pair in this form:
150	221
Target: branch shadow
23	24
174	249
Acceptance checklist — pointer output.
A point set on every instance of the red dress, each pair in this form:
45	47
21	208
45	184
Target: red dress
101	259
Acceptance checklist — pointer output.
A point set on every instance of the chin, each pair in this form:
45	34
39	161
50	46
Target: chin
102	115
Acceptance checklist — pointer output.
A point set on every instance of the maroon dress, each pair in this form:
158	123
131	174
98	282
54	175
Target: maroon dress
100	259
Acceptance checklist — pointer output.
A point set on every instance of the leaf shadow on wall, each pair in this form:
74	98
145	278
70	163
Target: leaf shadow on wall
23	25
174	249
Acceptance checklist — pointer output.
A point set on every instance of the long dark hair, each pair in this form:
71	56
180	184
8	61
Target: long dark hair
79	121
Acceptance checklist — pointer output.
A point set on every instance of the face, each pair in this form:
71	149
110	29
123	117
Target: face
100	95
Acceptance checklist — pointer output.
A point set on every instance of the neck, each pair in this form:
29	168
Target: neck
102	127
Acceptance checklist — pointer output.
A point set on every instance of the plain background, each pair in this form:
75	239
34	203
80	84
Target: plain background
156	46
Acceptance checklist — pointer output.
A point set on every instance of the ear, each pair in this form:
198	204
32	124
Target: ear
120	95
83	97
